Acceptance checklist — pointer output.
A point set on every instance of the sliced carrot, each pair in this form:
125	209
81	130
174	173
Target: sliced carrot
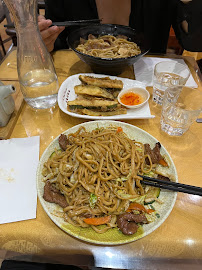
97	221
163	163
136	206
119	129
139	207
149	211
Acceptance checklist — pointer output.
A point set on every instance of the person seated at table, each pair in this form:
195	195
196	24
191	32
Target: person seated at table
151	17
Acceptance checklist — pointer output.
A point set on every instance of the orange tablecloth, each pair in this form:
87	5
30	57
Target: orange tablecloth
177	241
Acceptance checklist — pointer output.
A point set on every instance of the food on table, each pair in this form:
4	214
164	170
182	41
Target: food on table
52	194
108	46
131	98
101	113
92	90
128	222
97	97
99	104
105	82
94	178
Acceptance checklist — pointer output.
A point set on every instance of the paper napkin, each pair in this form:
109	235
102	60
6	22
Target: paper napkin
18	164
144	69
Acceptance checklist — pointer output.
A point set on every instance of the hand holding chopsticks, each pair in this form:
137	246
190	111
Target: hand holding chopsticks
171	185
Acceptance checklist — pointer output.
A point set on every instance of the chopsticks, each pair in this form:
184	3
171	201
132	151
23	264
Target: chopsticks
171	185
11	25
65	23
199	120
79	22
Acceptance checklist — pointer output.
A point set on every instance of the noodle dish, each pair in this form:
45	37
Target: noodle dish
108	48
91	179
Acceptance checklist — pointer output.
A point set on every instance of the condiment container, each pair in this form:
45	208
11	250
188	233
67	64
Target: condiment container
134	97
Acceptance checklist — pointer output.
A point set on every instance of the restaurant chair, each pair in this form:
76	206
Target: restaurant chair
8	21
2	41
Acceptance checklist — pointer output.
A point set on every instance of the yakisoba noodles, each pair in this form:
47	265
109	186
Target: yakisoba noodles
97	174
108	46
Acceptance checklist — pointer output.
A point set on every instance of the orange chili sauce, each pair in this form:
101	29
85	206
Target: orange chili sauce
131	98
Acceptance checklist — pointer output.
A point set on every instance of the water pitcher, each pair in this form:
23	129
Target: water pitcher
36	72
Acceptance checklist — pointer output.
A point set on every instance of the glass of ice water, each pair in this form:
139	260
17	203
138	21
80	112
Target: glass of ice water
168	74
181	107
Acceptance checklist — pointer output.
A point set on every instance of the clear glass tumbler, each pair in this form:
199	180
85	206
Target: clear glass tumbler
181	107
36	72
168	74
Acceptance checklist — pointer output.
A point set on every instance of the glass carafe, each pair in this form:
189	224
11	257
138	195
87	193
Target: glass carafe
36	72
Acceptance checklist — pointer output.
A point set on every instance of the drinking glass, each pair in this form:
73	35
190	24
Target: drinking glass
36	72
166	75
181	107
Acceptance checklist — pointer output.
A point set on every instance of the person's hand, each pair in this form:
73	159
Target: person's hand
49	34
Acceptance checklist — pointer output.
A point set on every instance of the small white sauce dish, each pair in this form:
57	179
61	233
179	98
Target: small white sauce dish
140	89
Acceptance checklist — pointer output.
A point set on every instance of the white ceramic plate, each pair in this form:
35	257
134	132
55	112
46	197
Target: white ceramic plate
113	236
66	93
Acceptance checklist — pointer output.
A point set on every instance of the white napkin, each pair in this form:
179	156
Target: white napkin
144	69
18	164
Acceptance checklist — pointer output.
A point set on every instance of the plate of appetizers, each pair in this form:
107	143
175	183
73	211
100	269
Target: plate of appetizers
94	96
87	192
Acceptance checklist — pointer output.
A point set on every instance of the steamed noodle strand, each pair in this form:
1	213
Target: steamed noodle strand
103	162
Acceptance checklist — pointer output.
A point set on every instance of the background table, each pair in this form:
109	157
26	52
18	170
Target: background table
177	242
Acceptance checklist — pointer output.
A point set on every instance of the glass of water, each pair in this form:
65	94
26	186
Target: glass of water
181	107
168	74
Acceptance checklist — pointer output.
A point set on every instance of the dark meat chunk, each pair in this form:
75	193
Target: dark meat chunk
90	36
82	40
63	141
127	222
98	46
86	215
53	195
153	153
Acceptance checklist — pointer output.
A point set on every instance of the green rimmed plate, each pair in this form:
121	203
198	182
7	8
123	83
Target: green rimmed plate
113	236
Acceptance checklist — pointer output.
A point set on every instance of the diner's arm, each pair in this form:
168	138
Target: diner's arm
48	34
188	24
69	10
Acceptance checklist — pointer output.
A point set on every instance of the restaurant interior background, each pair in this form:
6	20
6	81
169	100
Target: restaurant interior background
6	42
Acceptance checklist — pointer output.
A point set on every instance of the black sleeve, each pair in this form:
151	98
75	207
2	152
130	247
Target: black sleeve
192	13
64	10
55	12
153	19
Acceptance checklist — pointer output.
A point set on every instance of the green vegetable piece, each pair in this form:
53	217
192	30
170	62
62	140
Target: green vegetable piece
151	206
54	153
151	195
92	200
